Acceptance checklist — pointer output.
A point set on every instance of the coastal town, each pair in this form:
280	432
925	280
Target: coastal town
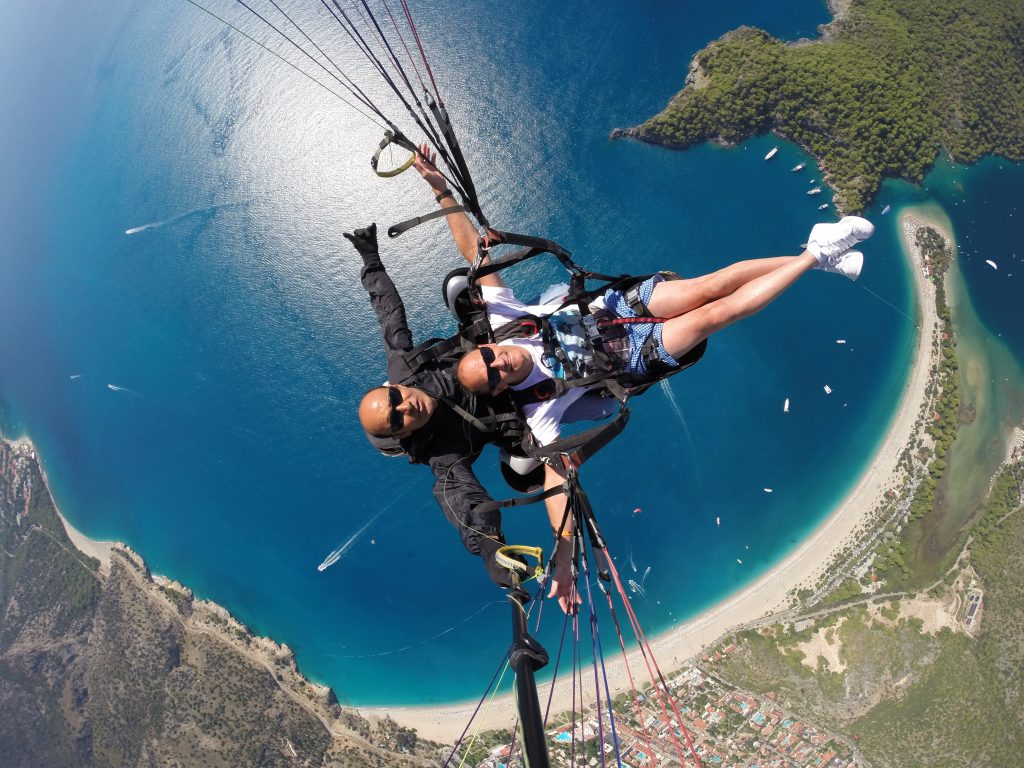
729	728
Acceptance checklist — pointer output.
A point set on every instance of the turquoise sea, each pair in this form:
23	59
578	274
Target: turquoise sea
183	334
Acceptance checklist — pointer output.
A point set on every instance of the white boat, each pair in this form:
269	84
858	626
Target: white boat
828	390
771	153
991	263
769	490
886	210
785	406
718	521
798	167
823	206
840	341
814	191
739	561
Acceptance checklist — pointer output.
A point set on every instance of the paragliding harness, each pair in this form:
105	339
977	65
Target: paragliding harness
588	355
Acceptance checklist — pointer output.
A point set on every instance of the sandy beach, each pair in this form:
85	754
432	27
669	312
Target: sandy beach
765	596
97	549
768	594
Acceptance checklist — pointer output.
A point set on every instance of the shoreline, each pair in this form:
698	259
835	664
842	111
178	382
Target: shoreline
765	596
769	593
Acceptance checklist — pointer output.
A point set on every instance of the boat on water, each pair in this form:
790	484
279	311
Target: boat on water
886	210
840	341
785	406
814	191
828	390
769	490
718	521
823	206
739	561
771	153
798	167
991	263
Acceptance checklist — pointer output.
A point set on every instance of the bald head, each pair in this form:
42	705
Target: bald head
472	372
395	410
374	410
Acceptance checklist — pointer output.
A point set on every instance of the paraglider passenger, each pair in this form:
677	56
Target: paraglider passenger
684	312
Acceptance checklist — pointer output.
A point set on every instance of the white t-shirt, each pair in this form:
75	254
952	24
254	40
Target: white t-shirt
543	418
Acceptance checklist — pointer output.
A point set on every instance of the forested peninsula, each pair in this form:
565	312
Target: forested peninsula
889	84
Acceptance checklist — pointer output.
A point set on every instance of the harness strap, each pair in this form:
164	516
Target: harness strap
519	328
518	501
403	226
478	423
434	349
574	450
634	301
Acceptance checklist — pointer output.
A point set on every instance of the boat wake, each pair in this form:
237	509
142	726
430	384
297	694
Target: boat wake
639	588
671	397
116	388
181	216
424	641
337	554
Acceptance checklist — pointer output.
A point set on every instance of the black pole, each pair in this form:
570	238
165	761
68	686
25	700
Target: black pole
526	657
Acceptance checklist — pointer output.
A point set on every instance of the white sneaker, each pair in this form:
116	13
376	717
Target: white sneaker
832	239
847	263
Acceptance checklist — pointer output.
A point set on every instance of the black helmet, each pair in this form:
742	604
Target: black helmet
389	446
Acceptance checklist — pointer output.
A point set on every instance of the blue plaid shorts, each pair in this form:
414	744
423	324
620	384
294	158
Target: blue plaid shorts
638	333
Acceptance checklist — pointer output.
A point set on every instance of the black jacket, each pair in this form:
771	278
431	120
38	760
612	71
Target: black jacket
447	443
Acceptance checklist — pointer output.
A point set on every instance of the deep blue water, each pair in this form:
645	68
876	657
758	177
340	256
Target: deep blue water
239	340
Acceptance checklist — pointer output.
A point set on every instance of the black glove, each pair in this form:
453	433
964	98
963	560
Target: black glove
365	241
498	573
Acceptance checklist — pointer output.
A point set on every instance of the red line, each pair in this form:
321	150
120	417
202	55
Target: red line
423	55
632	683
645	648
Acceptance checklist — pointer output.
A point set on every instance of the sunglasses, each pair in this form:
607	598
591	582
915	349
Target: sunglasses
493	374
396	420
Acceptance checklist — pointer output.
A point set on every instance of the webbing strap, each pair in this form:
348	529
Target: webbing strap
518	501
574	450
448	131
568	453
635	302
479	424
403	226
549	389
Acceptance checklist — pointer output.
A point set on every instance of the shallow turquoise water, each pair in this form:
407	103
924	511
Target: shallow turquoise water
235	332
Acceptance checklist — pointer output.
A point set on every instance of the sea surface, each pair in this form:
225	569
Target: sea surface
183	334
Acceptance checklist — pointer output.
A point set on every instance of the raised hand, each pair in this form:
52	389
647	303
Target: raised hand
424	165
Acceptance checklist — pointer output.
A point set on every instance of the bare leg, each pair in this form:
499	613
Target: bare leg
684	332
676	297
